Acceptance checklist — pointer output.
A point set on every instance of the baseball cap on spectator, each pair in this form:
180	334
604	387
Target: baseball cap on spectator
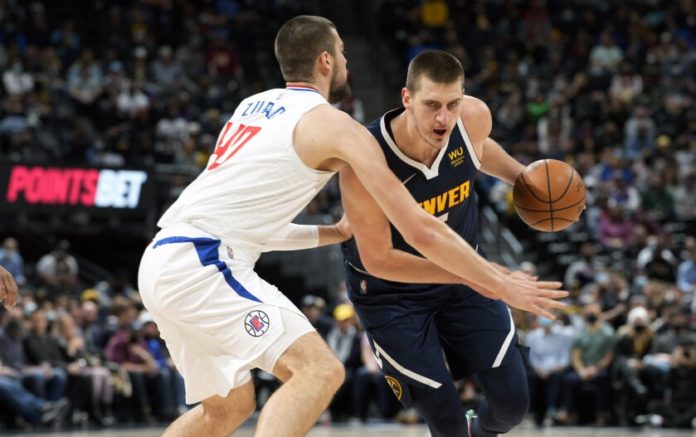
311	300
90	294
343	312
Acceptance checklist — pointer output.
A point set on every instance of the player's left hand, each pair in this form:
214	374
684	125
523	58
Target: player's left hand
8	289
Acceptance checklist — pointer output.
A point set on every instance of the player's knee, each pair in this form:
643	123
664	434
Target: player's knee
511	408
331	371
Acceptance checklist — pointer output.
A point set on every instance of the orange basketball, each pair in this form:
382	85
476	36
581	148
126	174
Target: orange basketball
549	195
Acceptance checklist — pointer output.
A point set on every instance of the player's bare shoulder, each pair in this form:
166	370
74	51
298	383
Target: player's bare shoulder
477	119
323	136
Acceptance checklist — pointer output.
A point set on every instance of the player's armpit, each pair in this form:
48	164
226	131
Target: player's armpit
498	163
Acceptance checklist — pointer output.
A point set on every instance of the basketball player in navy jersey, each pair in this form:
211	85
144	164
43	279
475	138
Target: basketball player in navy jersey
427	328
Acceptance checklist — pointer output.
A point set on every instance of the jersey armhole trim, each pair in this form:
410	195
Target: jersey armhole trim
469	145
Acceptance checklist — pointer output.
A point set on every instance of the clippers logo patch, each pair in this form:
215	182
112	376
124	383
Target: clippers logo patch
256	323
395	386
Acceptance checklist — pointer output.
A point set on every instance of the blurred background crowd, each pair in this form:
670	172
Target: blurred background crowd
609	87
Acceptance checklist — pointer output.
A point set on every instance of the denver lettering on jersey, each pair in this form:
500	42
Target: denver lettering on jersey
448	199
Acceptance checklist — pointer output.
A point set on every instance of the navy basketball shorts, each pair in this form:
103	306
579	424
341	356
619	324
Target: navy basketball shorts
428	336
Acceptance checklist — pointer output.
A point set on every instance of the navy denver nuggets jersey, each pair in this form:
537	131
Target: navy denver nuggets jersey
445	190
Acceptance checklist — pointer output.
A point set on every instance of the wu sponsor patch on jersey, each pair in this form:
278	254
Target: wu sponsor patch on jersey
256	323
456	156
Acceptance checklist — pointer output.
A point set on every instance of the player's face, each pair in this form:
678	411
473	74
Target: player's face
434	109
339	89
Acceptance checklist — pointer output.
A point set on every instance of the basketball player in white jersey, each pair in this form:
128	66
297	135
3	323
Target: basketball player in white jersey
8	289
219	318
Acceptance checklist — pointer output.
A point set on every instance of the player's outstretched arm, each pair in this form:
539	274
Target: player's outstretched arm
8	289
372	232
326	139
299	237
373	236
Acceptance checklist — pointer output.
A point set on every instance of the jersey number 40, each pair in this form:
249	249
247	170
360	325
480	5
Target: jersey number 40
230	142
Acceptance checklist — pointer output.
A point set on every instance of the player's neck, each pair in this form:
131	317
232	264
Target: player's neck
410	141
318	87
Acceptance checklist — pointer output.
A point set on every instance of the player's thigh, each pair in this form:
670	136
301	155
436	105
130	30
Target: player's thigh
476	333
241	399
405	340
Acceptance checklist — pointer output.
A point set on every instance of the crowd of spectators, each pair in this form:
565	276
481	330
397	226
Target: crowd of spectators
607	86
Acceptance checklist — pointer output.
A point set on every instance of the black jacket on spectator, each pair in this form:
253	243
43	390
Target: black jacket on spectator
43	349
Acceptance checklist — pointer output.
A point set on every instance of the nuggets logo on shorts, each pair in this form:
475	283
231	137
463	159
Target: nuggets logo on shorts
256	323
395	386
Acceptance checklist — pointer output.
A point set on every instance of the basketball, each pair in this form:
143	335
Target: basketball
549	195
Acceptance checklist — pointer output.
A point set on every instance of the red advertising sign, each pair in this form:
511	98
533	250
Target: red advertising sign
39	185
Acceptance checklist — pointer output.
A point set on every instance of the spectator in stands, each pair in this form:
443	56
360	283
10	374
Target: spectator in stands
615	229
677	331
81	363
125	350
38	373
656	200
313	308
678	408
623	194
686	272
173	381
684	197
16	80
12	260
657	259
639	134
58	269
630	372
92	328
606	56
21	402
549	359
344	341
582	270
591	356
626	85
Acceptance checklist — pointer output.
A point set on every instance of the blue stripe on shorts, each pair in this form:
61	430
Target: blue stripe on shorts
207	249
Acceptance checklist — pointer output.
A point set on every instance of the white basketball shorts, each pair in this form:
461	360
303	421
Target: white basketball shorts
219	319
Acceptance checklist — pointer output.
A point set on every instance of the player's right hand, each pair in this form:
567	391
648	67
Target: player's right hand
537	297
8	289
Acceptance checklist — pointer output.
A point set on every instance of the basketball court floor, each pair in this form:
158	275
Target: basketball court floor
383	430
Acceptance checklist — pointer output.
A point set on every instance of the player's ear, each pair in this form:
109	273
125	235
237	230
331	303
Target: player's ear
324	63
406	97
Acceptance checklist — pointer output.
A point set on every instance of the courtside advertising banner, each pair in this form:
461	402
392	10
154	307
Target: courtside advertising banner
30	186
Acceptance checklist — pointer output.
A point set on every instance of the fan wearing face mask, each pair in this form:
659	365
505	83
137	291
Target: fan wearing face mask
591	355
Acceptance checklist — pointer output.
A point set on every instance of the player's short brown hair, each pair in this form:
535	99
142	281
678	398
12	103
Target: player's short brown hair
436	65
298	44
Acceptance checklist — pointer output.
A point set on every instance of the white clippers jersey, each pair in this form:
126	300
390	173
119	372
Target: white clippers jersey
254	183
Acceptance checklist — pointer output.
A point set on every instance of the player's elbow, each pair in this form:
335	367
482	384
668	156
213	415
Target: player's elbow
423	237
374	261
